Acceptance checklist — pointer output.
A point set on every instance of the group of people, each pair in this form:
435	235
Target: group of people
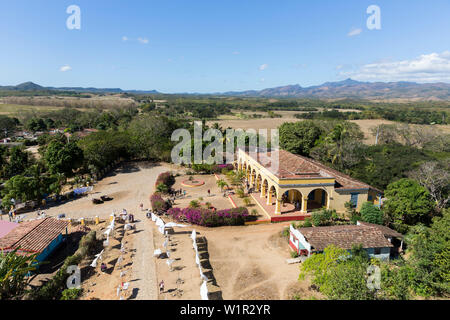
127	217
177	193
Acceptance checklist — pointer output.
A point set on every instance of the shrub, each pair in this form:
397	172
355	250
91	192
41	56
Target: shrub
371	213
209	218
322	218
307	223
166	178
162	188
158	203
194	204
240	192
286	232
71	294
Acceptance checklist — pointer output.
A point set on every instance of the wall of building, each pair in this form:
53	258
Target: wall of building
384	255
339	200
51	247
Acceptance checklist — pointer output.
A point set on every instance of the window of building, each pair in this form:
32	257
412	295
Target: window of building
377	250
354	199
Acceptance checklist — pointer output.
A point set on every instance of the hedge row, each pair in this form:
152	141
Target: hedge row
210	218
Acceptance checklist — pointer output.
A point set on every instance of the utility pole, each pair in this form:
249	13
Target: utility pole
378	133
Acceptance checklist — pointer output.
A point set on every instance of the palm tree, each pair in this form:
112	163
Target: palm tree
14	271
162	188
222	184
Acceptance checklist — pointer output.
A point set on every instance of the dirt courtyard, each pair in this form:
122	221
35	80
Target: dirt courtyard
249	263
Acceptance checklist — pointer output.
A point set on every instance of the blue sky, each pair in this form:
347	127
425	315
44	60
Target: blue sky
215	46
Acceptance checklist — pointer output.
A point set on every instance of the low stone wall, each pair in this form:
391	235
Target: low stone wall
214	291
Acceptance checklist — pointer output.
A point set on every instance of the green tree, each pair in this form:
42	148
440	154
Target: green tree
371	213
63	158
19	160
299	137
430	257
7	126
338	275
407	204
36	124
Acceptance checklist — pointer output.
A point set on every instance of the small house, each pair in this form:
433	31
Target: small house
306	241
39	237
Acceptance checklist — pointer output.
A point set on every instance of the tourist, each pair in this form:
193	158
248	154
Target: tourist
103	267
209	193
142	206
161	287
184	193
10	214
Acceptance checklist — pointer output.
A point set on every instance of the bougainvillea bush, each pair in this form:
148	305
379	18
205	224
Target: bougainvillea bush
158	203
218	168
210	218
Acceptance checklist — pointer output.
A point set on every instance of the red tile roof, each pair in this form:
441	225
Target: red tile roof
293	166
345	237
33	236
388	232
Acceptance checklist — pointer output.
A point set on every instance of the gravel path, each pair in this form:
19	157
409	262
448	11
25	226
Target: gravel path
145	285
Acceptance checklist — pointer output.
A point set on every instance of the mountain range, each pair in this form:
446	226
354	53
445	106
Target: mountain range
349	89
352	89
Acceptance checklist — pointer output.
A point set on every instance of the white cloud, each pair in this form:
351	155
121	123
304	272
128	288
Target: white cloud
433	67
65	68
124	38
262	80
143	40
236	52
354	32
263	67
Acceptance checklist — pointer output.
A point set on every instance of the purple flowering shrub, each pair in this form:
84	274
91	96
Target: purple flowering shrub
218	168
209	218
157	202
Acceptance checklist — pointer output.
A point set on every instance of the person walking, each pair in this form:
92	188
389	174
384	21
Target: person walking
141	206
161	287
209	193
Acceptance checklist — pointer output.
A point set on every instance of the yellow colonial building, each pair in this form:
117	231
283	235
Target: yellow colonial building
299	184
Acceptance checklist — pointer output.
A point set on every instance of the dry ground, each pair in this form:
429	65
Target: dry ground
200	193
250	263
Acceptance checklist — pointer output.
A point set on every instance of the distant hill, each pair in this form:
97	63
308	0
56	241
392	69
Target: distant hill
30	86
347	89
356	90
